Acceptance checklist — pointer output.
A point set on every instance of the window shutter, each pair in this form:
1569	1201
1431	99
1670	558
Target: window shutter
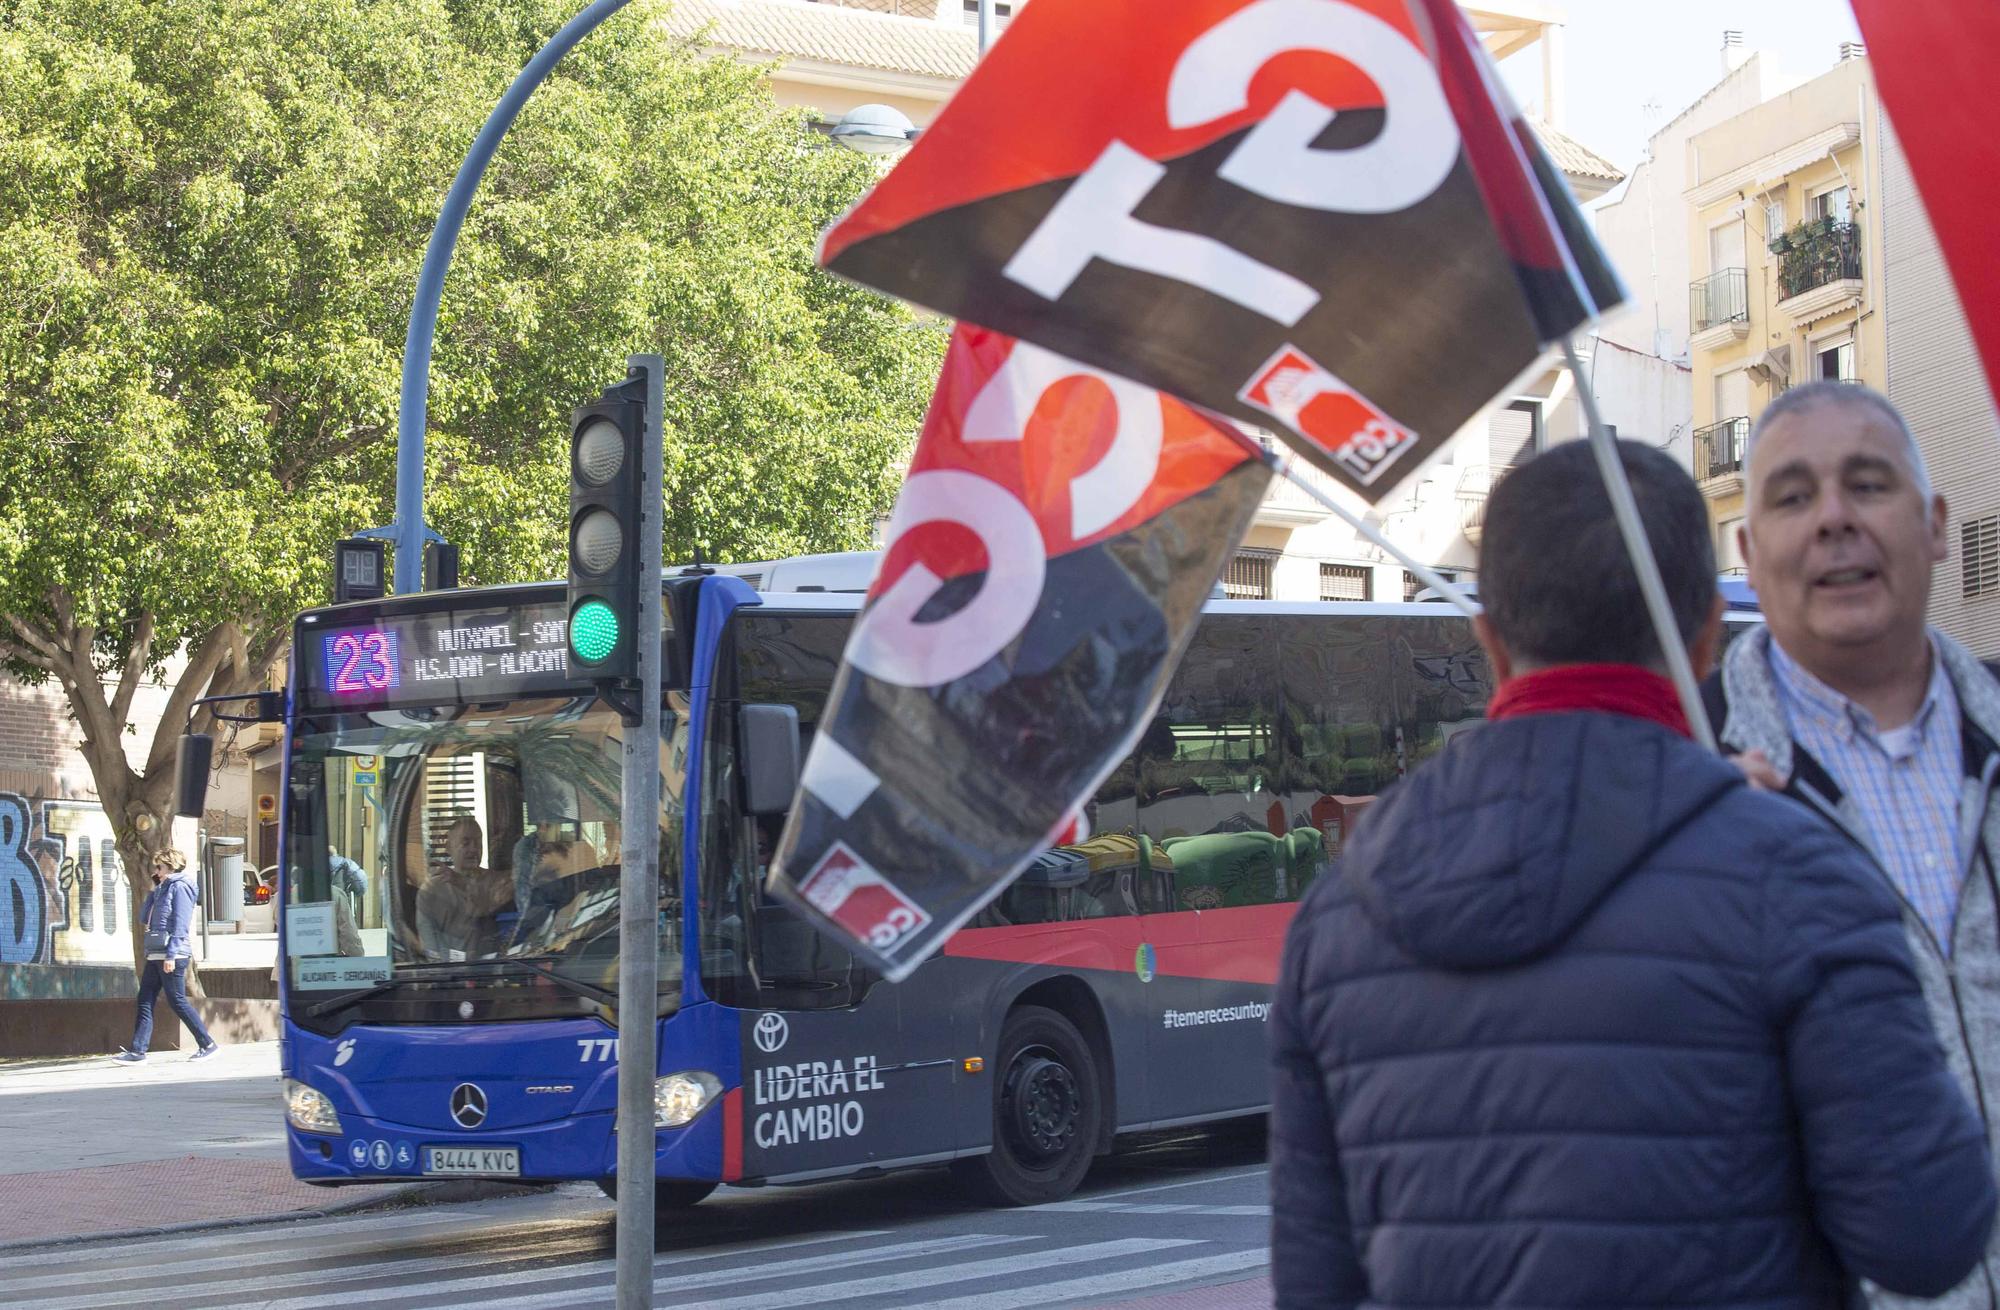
1248	576
1346	582
1510	436
1980	544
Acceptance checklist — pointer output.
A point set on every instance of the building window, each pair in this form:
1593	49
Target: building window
1513	434
1728	555
1834	361
1833	204
1412	584
1001	13
1248	576
1774	219
1732	394
1979	542
1346	582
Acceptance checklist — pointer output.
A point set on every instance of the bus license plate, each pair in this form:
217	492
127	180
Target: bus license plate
502	1160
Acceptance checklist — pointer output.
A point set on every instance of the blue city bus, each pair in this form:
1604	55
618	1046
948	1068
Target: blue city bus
449	921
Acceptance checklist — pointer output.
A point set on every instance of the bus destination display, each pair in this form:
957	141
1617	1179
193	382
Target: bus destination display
489	654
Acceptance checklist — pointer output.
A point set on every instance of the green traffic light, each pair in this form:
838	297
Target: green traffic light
593	631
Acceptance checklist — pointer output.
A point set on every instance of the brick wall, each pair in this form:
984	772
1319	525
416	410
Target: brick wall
36	733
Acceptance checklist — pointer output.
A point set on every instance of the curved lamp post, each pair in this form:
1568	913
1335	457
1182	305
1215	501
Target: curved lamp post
409	531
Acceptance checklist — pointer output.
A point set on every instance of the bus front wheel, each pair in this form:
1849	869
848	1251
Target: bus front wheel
668	1193
1046	1112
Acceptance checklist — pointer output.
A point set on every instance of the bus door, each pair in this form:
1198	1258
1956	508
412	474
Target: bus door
840	1069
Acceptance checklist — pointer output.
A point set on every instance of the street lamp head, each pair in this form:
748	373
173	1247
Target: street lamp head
875	130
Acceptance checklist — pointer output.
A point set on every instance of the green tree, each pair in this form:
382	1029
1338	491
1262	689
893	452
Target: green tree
211	218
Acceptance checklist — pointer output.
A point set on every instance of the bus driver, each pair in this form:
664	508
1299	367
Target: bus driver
457	908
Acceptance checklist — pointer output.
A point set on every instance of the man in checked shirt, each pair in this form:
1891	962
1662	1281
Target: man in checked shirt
1850	702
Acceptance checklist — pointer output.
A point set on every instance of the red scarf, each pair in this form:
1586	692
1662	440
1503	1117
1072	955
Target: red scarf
1606	688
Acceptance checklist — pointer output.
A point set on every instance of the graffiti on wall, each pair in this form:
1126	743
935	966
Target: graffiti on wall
64	896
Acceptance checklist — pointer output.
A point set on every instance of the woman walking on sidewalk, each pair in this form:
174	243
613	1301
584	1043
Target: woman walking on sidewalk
167	919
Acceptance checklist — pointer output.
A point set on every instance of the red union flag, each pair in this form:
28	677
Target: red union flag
1226	199
1057	534
1934	62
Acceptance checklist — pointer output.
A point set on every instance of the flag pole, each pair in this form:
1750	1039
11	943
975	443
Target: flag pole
1626	510
1430	576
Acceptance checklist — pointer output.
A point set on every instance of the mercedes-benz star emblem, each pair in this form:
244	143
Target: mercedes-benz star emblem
468	1105
771	1032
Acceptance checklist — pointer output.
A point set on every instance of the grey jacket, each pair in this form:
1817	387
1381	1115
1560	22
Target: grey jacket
1962	992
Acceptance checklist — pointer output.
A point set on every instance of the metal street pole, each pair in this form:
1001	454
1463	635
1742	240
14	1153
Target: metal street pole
1625	509
985	25
639	886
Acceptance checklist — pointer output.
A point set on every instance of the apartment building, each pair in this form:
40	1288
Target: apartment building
1934	377
1785	229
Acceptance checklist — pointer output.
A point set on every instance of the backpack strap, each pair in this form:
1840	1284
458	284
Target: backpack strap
1807	769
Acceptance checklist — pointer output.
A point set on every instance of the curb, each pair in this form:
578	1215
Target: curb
414	1194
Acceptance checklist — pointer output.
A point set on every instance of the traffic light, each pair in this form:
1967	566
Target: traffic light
359	570
440	566
605	470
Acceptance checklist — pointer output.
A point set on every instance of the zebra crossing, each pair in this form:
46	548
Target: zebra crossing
553	1253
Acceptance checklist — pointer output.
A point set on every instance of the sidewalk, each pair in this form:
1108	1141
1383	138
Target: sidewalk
93	1147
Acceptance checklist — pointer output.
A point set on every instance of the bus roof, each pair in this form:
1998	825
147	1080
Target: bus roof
849	573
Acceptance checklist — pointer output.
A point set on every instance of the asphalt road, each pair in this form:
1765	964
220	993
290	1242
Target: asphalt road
1169	1212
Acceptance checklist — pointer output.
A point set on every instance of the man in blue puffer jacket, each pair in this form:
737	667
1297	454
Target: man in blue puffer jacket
1585	1021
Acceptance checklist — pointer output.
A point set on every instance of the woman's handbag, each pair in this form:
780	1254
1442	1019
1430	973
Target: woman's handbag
156	943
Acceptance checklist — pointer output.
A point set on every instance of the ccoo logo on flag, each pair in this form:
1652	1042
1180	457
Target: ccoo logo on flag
862	901
1294	389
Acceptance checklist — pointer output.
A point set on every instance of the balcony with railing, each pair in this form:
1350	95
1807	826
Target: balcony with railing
1719	452
1474	482
1819	268
1719	308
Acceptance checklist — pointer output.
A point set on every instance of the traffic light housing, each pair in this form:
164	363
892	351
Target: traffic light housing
360	570
440	566
606	465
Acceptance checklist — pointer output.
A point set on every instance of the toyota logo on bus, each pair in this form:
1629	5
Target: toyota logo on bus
468	1105
771	1032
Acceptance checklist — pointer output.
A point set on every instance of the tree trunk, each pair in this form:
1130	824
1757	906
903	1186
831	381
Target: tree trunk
138	827
144	829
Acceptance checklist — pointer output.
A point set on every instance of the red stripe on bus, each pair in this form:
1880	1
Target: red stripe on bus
732	1135
1238	944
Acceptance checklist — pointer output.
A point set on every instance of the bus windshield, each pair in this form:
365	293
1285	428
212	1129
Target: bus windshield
437	851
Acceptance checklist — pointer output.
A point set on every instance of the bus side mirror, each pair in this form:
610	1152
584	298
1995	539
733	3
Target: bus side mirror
192	759
768	751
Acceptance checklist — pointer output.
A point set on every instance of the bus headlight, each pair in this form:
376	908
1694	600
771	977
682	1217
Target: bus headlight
309	1110
679	1097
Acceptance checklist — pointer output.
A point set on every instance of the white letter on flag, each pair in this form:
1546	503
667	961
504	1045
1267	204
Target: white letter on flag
1409	159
